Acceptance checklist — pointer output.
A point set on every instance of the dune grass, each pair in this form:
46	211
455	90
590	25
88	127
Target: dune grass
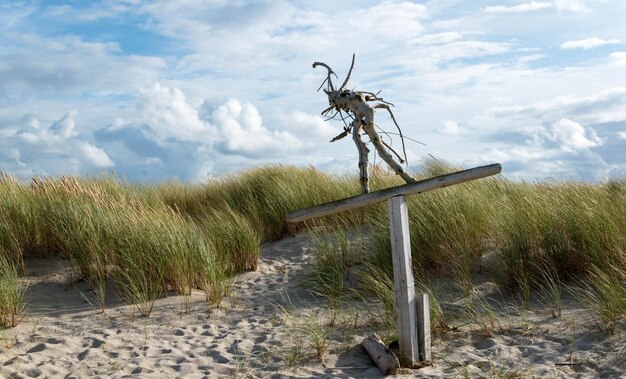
11	294
182	237
544	235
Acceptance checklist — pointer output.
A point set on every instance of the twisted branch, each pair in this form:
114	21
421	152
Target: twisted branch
328	76
345	82
357	106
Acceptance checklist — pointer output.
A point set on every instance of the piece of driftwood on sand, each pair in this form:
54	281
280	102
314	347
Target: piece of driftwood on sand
384	358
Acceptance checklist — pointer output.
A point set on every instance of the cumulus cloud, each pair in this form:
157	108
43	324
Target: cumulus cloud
519	8
588	43
35	148
172	138
168	115
242	132
65	126
95	156
564	150
435	60
571	135
564	137
234	127
622	135
140	157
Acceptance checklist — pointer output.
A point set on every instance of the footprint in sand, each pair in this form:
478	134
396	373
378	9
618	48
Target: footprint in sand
182	360
215	354
37	348
34	373
82	355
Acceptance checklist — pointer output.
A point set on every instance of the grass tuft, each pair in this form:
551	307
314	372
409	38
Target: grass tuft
11	294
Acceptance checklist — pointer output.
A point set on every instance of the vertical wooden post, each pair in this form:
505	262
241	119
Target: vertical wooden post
404	291
423	327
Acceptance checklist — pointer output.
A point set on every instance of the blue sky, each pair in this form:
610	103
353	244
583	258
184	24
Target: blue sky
191	89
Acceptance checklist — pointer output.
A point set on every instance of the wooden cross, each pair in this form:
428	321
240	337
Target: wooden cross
408	308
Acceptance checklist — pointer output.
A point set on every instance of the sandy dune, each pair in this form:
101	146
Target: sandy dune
265	329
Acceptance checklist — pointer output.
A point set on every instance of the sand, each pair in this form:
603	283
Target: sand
269	326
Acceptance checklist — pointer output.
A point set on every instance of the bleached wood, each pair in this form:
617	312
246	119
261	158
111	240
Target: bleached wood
370	129
384	358
382	195
355	103
363	160
361	107
423	328
404	287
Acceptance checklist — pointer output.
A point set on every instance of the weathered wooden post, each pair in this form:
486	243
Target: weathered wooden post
423	330
411	333
404	287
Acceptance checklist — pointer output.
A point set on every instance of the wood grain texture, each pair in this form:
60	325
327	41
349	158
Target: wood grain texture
382	195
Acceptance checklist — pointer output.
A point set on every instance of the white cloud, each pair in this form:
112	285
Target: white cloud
450	127
91	13
519	8
463	49
64	127
438	38
94	155
394	20
308	125
242	132
169	116
618	57
576	6
174	139
36	148
60	65
570	135
588	43
530	58
622	135
608	105
564	150
438	60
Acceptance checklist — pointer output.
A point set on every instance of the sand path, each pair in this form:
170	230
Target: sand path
63	336
263	330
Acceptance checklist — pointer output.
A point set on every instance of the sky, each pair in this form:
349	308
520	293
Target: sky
194	89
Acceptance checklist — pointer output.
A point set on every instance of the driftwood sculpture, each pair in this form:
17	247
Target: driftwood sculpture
360	109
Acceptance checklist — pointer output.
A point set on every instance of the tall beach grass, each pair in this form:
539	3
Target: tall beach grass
180	237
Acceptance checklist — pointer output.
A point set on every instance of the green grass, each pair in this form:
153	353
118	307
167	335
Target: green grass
180	237
11	294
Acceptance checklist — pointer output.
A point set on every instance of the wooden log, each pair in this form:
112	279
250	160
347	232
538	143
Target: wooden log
382	195
423	327
384	358
403	284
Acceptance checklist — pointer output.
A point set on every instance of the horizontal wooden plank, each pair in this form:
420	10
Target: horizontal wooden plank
382	195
